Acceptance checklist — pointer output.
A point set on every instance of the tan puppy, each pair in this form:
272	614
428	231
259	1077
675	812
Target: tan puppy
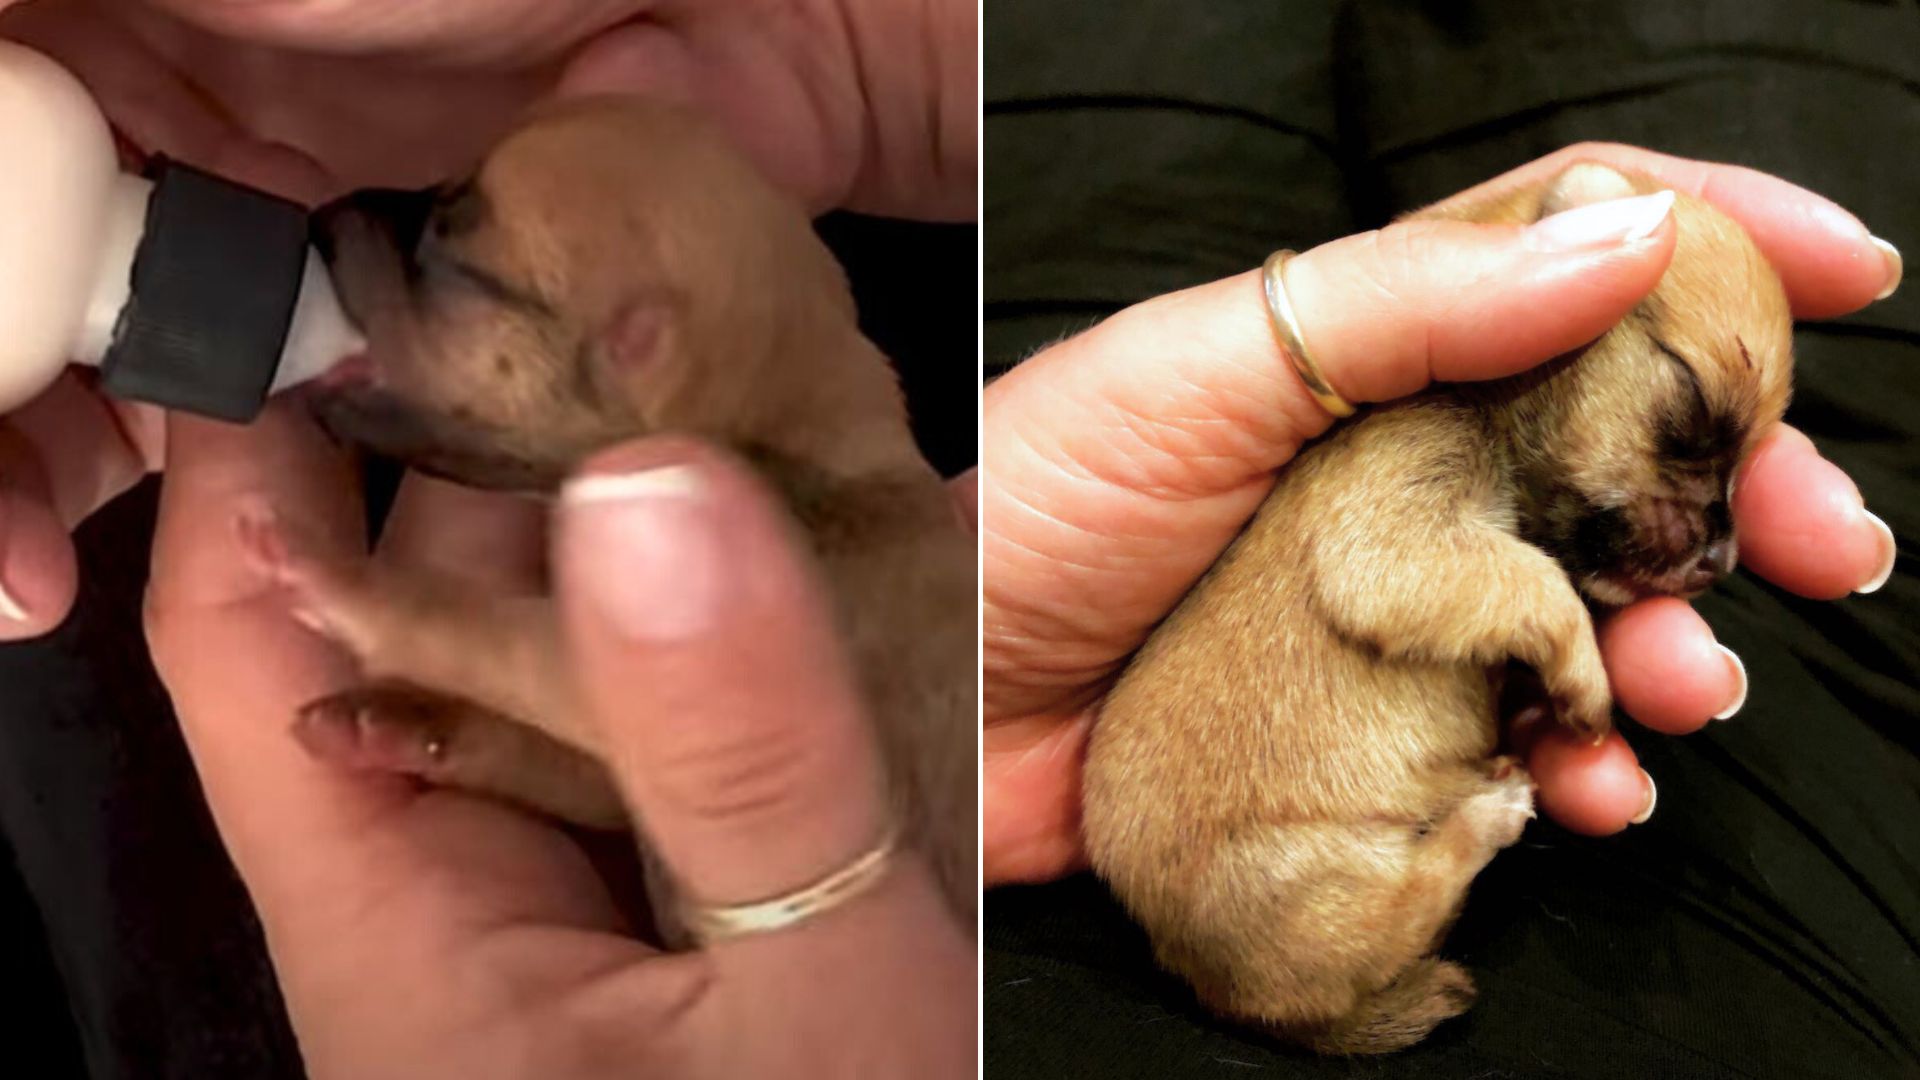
613	270
1294	782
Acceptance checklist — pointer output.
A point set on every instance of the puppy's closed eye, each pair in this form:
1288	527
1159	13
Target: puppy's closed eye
1694	432
459	209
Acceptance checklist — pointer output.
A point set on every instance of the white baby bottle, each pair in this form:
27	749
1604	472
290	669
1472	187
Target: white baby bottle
186	290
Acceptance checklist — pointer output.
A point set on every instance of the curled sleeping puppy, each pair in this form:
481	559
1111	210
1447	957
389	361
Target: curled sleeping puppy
1296	779
614	270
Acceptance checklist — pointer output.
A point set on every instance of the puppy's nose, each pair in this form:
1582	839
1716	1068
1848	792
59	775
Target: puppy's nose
403	214
1714	563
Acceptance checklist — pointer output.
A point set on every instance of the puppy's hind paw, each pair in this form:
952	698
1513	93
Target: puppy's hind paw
1506	766
1401	1013
1499	812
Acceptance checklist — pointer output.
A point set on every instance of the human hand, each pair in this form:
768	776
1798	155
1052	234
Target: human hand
427	932
859	104
308	100
1119	464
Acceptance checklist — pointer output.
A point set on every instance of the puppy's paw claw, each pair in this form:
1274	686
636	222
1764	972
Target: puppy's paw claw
1585	705
1592	725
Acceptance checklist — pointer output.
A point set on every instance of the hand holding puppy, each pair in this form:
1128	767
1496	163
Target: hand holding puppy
825	102
1120	463
424	932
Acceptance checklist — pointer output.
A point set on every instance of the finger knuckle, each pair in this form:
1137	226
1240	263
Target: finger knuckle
740	775
1398	255
1399	275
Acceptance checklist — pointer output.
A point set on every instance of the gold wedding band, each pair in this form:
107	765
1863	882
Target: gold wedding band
719	922
1287	329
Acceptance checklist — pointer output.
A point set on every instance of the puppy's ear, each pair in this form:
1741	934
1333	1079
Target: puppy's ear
1583	183
1576	185
633	344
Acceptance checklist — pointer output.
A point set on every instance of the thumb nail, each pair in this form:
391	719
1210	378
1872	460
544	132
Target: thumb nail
1614	223
652	544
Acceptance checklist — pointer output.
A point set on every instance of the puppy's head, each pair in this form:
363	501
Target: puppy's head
1626	451
611	269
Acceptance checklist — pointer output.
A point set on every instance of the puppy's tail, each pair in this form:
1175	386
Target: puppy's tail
1400	1013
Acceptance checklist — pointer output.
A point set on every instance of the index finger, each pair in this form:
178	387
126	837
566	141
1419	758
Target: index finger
236	666
1829	262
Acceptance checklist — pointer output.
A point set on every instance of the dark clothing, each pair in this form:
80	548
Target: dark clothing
127	945
1766	922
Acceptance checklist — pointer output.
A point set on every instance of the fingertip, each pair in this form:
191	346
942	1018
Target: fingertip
707	655
1666	669
1825	256
1803	525
1387	312
676	501
275	168
39	574
1593	790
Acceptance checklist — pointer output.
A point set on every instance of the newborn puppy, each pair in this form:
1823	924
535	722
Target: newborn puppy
614	270
1295	780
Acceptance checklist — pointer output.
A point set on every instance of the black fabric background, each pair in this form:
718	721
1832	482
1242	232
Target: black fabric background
128	948
1766	922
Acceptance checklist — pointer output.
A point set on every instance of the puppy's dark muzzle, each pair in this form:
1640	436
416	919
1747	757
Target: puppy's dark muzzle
1713	564
401	215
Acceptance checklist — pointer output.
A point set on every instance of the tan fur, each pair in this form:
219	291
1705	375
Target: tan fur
612	270
1294	782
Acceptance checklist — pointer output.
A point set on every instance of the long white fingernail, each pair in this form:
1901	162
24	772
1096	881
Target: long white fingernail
1740	677
1653	798
1613	223
1895	266
660	573
10	607
1887	545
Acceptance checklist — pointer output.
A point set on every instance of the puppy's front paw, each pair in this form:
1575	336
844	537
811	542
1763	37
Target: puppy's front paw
321	590
389	726
1576	683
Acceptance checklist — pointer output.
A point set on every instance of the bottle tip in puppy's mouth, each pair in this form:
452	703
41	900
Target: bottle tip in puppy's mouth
355	370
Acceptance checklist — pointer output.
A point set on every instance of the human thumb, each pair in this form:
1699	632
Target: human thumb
707	655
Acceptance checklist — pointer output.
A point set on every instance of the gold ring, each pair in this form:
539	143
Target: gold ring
1287	329
718	922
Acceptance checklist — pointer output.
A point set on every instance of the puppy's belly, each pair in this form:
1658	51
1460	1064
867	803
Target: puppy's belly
1210	734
